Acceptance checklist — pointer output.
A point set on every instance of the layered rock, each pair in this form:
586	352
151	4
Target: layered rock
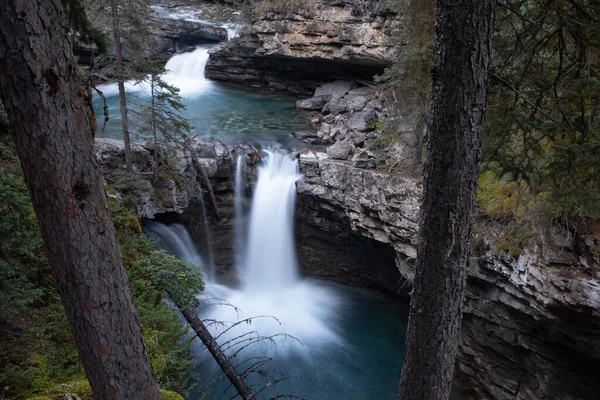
294	46
180	195
174	34
531	323
172	191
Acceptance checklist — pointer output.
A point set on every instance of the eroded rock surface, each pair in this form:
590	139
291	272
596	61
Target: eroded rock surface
175	34
531	325
173	191
293	47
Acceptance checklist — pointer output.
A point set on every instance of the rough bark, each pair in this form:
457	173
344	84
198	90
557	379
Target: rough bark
40	90
121	84
464	31
215	351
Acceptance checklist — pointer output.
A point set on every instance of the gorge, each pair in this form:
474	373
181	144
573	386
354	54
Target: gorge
531	320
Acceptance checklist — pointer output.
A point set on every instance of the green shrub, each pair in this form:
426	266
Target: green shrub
38	357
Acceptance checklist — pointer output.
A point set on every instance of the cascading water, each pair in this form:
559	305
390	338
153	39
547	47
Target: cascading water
355	346
271	255
186	72
214	110
239	233
211	256
269	281
174	239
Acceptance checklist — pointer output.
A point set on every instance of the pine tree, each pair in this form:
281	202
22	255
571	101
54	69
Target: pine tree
544	120
40	90
160	119
126	21
462	56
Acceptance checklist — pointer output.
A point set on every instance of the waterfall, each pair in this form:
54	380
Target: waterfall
211	255
239	234
270	261
270	283
186	71
175	240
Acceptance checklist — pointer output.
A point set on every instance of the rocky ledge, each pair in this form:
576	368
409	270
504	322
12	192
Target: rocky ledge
531	323
293	46
174	189
173	35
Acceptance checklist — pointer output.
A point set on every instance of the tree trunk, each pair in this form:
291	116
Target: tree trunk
464	31
121	83
154	133
215	351
40	90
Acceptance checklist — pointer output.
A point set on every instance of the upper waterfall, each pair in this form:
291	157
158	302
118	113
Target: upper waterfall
270	261
186	72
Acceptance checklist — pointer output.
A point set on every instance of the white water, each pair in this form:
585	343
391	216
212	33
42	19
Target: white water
176	240
271	257
211	256
270	287
269	281
184	71
239	233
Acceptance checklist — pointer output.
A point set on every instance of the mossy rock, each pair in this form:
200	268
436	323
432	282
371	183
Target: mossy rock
83	390
57	392
168	395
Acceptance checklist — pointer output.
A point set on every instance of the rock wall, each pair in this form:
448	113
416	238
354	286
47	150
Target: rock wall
175	190
531	324
293	46
531	327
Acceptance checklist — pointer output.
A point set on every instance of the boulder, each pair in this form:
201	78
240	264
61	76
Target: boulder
364	159
336	89
340	150
315	103
304	135
360	121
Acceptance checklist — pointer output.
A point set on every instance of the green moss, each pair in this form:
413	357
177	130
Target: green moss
127	183
167	395
376	125
38	357
381	143
57	392
122	217
502	198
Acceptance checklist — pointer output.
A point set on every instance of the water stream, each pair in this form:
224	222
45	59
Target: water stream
349	339
215	110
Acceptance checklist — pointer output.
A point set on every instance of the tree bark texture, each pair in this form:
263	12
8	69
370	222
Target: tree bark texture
464	31
215	351
40	90
114	6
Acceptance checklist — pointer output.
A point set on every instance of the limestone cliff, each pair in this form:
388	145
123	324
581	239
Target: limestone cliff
531	322
293	45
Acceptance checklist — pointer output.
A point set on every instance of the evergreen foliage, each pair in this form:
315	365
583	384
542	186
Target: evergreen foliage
37	354
543	125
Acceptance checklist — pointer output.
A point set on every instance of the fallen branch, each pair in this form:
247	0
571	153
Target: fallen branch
214	349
